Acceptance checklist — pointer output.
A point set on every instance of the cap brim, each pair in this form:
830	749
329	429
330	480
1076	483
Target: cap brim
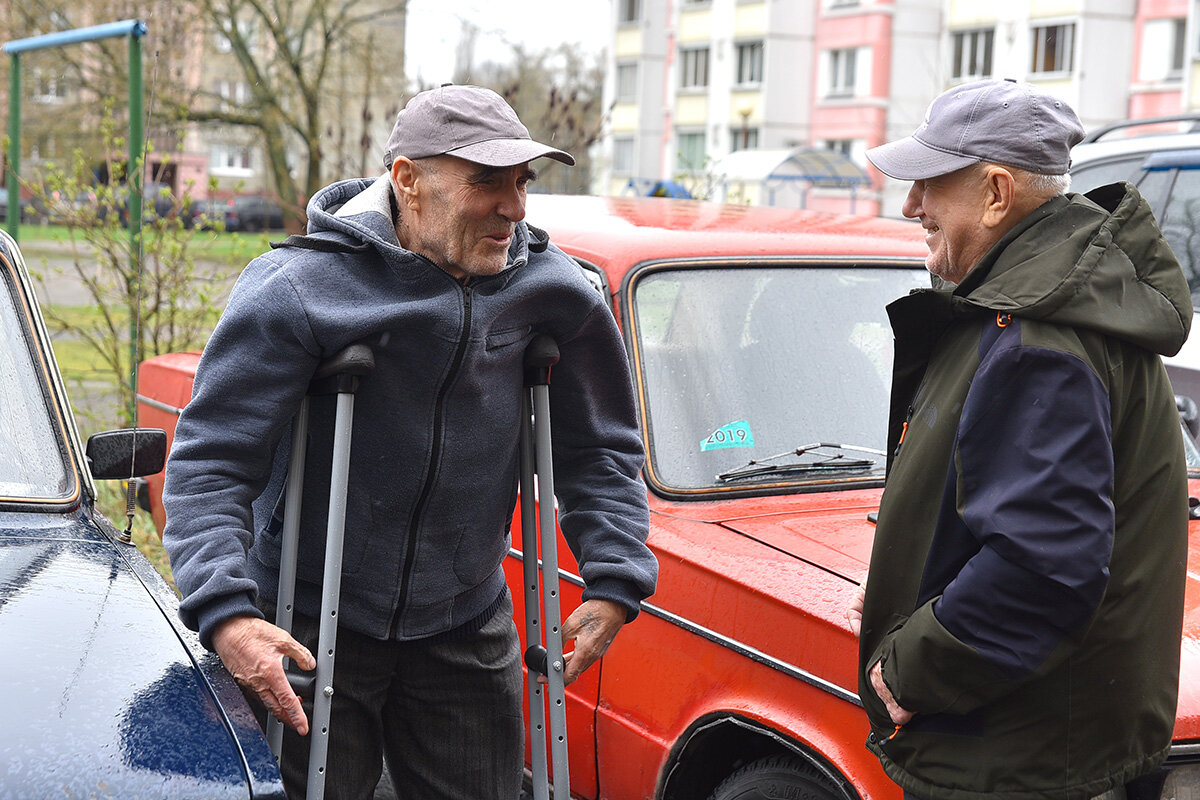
509	152
909	159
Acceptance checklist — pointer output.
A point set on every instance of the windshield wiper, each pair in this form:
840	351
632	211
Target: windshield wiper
824	462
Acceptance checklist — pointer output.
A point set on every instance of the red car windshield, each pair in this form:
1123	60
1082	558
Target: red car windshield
740	364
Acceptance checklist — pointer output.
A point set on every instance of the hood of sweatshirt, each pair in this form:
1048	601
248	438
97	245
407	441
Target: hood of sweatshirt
1095	261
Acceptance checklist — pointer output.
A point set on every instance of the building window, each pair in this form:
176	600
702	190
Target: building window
627	82
1163	50
1178	46
972	52
49	88
853	149
749	63
228	159
629	10
622	159
691	152
693	68
743	139
842	69
1053	48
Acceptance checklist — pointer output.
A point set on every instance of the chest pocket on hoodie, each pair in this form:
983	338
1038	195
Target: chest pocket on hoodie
506	338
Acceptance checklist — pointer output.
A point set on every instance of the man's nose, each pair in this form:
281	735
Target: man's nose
912	202
512	204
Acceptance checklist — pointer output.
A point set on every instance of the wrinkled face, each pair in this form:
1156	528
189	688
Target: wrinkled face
951	208
466	214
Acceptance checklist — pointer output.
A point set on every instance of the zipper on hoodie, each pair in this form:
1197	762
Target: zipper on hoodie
904	430
434	456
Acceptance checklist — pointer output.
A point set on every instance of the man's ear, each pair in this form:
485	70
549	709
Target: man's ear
406	181
1000	197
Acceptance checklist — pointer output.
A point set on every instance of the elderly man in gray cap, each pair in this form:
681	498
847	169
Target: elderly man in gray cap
432	264
1020	625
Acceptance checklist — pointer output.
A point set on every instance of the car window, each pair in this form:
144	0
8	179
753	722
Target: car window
1092	176
1180	222
746	363
32	465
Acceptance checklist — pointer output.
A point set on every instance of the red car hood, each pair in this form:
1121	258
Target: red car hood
838	537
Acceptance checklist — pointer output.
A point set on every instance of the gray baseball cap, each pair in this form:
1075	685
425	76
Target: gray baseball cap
470	122
1000	121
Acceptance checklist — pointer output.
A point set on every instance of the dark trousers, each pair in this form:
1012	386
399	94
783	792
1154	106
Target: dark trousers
1146	787
445	713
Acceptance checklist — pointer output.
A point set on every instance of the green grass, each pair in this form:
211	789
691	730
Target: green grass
226	248
110	500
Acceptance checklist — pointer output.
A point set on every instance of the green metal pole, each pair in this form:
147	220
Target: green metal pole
13	223
135	177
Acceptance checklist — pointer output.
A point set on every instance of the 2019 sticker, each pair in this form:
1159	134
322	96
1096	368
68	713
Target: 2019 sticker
735	434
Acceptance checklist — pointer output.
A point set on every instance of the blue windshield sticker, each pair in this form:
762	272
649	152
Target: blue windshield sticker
735	434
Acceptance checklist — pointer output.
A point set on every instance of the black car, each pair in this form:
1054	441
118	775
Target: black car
106	693
243	212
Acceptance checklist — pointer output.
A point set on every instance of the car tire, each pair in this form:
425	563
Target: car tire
776	776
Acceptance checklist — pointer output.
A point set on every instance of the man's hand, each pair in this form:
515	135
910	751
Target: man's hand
854	611
593	626
252	650
899	715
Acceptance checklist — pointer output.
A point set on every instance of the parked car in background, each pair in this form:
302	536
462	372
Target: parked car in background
761	354
243	212
28	211
1161	156
106	694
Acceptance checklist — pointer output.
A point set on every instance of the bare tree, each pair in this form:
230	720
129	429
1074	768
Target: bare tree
307	78
557	93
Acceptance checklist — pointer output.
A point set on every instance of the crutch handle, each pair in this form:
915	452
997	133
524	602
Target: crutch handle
540	356
538	660
302	685
341	372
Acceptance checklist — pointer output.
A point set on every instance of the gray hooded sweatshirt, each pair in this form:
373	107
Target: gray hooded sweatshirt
433	473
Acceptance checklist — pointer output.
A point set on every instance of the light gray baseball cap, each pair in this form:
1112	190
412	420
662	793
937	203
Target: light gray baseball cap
1000	121
470	122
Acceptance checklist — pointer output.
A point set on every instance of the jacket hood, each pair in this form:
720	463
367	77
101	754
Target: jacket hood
360	211
1076	258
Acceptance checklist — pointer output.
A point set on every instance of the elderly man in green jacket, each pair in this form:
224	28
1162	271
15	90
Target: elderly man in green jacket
1020	628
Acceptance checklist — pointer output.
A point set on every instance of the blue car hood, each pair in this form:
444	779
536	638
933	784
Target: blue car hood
102	696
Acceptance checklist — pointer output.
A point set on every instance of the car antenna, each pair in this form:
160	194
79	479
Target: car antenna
136	175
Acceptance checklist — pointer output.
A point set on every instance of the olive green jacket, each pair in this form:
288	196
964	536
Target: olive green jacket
1026	583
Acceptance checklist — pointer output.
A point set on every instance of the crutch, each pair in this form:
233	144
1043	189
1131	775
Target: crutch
547	659
340	375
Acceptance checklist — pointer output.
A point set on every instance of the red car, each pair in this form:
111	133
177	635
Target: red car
762	357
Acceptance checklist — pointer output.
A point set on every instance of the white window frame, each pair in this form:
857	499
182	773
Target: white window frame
974	46
693	67
227	159
624	156
845	72
738	133
1064	61
681	163
749	62
629	11
622	92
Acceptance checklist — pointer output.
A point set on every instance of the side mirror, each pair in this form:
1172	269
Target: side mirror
1188	414
127	453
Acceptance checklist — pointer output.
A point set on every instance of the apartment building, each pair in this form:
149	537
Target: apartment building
693	81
